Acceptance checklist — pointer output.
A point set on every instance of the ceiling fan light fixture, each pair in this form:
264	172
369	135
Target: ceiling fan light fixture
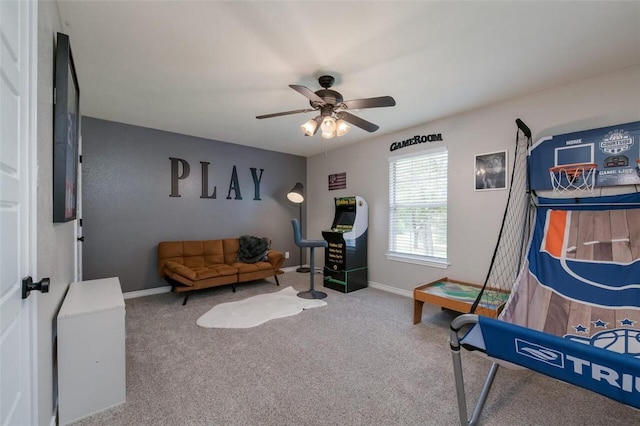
328	135
328	125
309	128
342	128
332	108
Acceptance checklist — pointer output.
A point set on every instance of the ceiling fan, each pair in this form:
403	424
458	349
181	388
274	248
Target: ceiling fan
333	116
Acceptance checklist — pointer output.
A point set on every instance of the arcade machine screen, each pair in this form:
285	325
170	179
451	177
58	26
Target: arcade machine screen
345	219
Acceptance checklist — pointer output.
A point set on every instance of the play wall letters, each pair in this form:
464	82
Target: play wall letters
180	169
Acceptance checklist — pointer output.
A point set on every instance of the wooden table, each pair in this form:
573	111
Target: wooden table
457	296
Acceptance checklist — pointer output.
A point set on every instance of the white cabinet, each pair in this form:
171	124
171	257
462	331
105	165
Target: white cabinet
91	349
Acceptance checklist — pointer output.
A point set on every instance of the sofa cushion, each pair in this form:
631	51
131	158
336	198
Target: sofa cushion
170	249
215	271
213	252
192	248
245	268
192	252
200	272
167	251
230	247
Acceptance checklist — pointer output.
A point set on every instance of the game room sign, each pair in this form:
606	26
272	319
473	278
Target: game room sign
416	140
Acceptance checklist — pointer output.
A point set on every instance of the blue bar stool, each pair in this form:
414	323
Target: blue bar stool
312	244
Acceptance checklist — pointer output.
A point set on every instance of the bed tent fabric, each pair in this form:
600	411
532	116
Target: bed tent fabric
574	310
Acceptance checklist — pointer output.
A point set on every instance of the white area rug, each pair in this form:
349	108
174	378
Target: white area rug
257	310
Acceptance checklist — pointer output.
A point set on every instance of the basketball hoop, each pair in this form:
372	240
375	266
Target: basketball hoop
573	177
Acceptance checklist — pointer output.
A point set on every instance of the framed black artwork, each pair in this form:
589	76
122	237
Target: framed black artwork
66	133
491	171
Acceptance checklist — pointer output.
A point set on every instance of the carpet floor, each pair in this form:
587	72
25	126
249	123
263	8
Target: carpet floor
357	361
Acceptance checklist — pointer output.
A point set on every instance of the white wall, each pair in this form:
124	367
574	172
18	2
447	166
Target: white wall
474	217
55	242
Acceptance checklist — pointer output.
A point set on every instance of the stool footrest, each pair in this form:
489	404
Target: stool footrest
312	294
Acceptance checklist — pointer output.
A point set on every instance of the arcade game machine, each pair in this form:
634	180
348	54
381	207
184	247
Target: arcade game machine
345	259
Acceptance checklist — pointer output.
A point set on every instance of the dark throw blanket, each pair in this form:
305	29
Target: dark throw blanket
253	249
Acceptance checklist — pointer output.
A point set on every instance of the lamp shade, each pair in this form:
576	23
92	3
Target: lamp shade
309	128
296	195
328	124
342	128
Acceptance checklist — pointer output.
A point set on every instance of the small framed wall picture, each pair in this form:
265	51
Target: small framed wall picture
338	181
491	171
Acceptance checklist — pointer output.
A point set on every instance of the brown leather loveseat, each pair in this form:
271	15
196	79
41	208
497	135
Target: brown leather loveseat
194	265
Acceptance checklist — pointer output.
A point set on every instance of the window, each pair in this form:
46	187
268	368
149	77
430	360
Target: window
418	208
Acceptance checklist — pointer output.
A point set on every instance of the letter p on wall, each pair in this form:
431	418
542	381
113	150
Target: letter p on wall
176	175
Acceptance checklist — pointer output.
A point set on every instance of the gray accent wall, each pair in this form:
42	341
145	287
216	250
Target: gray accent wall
127	207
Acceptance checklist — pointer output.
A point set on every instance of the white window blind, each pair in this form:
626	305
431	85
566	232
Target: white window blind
418	206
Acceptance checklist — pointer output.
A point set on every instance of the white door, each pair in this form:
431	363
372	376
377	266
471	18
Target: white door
17	223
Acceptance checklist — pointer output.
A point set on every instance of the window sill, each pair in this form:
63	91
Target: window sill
416	260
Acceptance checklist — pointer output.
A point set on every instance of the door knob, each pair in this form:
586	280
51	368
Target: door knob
28	285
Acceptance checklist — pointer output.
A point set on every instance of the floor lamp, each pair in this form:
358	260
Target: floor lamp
296	195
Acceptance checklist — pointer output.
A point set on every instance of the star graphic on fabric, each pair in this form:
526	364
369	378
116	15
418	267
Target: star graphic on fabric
626	321
580	328
600	323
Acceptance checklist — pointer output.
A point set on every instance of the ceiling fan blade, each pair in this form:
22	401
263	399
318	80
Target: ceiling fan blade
310	94
382	101
357	121
278	114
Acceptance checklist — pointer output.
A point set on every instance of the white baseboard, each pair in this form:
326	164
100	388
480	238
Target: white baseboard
394	290
167	288
147	292
291	268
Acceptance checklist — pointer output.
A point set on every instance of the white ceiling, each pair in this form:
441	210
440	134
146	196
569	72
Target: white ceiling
208	68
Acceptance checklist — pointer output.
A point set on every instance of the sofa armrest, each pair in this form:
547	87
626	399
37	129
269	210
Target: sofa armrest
180	269
275	258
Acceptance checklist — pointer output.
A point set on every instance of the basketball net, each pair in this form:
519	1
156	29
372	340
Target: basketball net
574	177
510	249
